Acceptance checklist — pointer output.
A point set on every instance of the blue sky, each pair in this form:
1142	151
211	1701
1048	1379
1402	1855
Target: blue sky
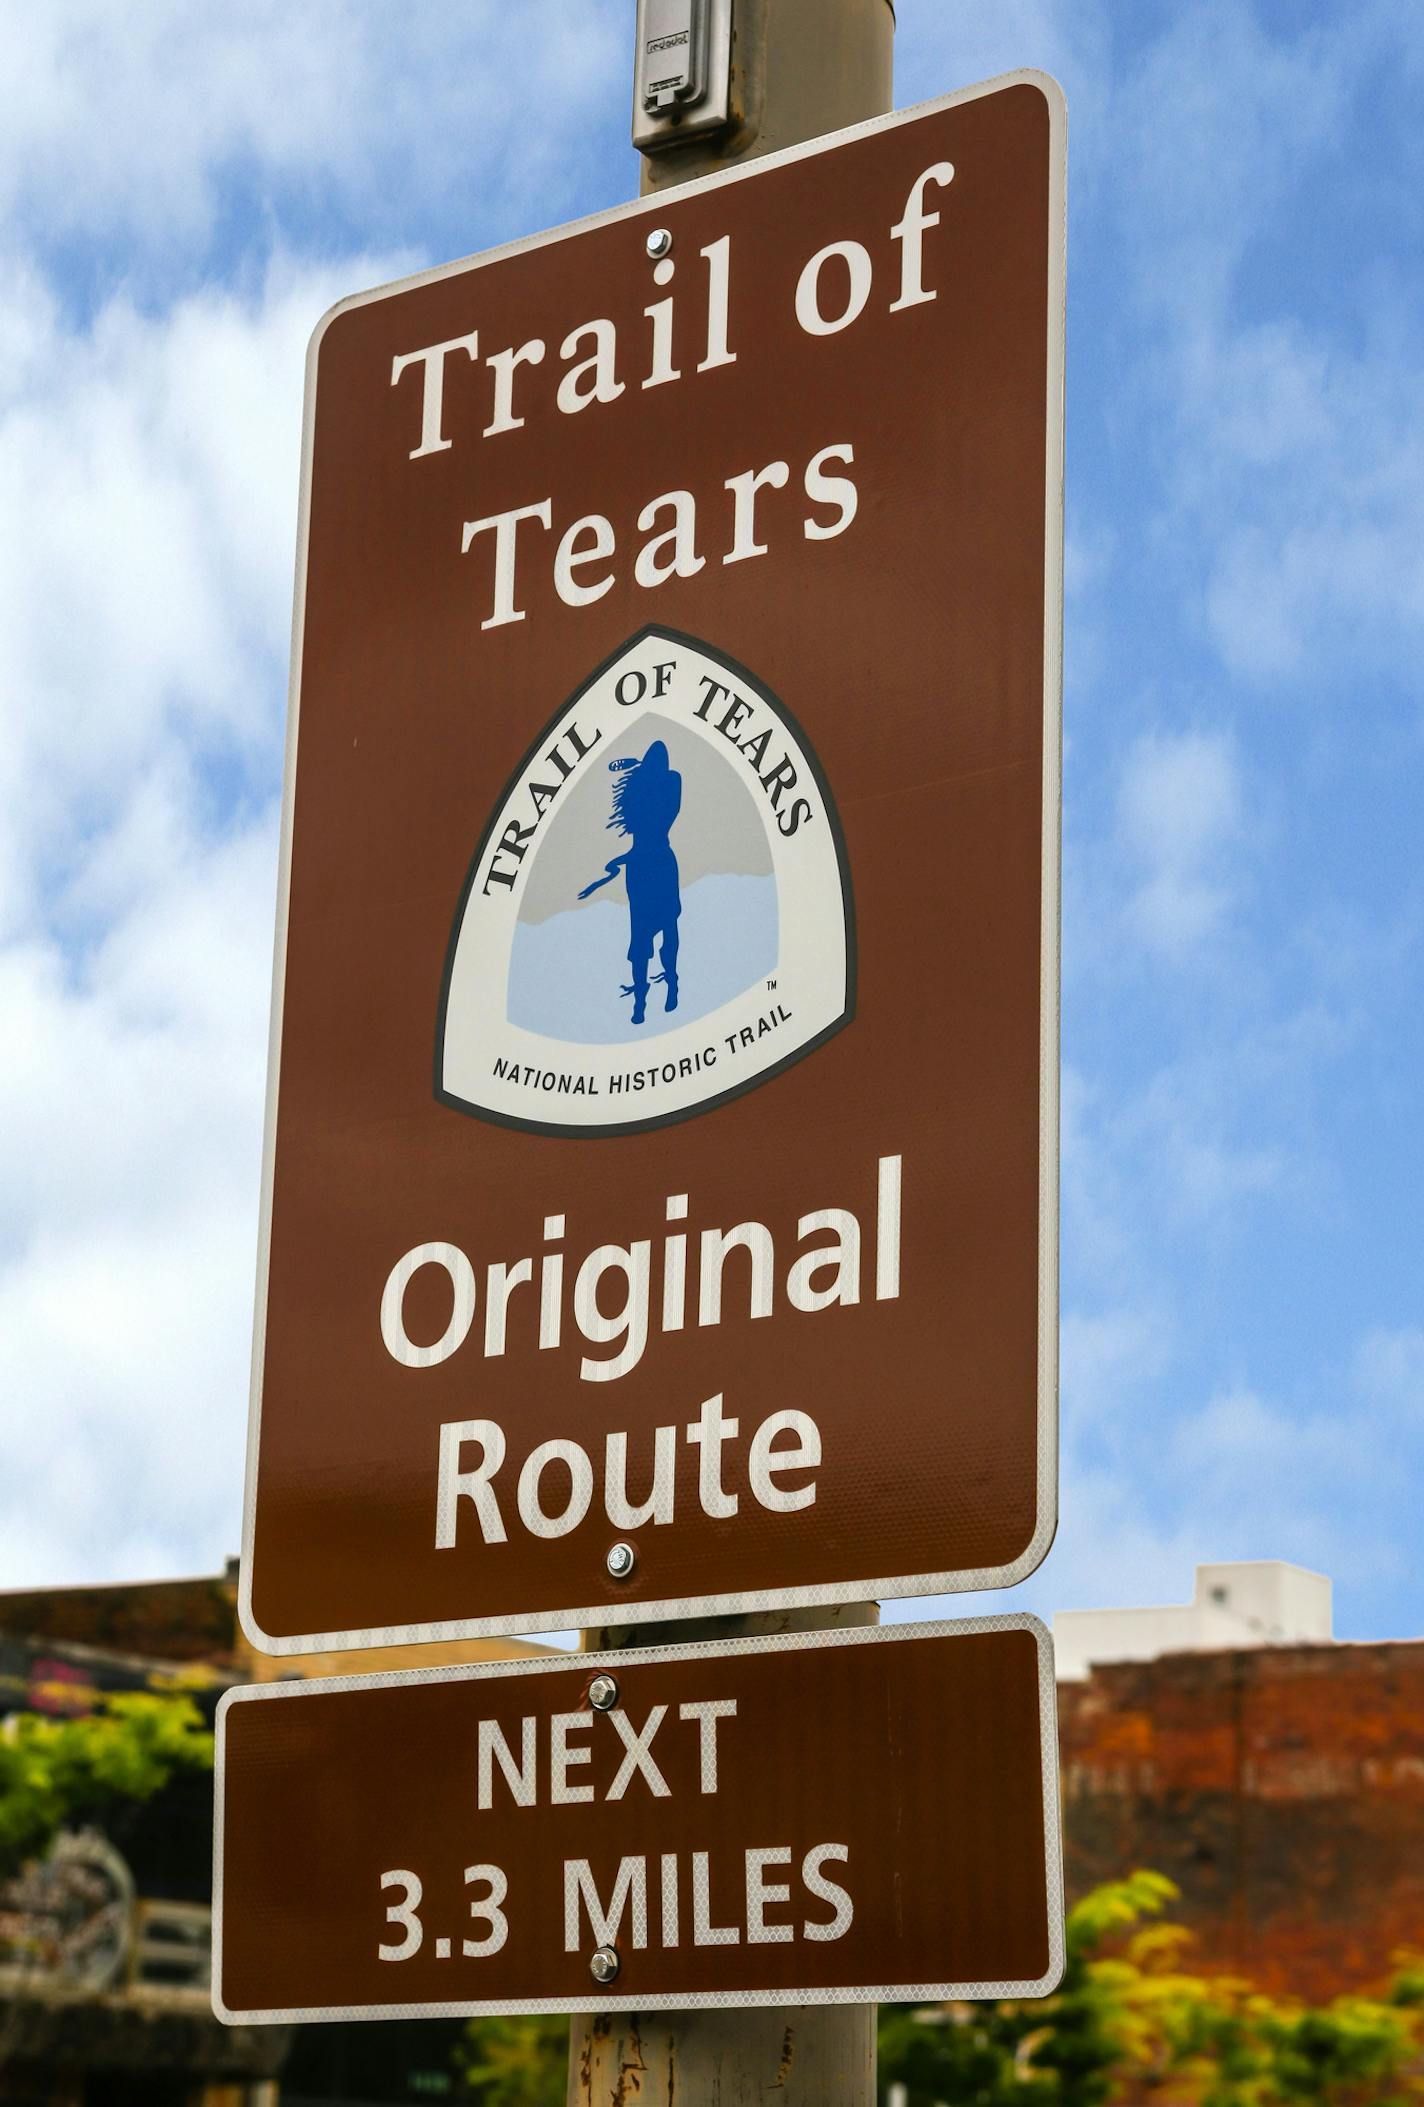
184	190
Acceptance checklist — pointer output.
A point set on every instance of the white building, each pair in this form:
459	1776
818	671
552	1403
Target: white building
1258	1602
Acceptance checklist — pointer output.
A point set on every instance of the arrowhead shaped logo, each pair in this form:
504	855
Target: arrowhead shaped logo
658	915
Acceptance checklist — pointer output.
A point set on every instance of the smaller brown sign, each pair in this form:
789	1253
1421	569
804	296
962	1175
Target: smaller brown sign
824	1817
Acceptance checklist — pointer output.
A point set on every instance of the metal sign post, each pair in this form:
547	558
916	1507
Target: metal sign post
771	77
660	1190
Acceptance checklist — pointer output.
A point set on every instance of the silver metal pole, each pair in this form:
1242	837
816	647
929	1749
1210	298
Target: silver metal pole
800	2055
795	69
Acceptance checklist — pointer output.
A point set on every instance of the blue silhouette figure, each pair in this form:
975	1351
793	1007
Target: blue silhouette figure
647	797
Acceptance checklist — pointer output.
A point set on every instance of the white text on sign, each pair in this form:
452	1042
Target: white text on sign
669	1891
455	385
555	1486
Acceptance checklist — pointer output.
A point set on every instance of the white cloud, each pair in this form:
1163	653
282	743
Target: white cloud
1108	1358
1218	118
148	465
1286	404
939	48
1389	1376
1205	1172
1245	1475
1320	549
1323	1483
137	120
130	1125
1179	816
148	468
1097	1229
1326	1485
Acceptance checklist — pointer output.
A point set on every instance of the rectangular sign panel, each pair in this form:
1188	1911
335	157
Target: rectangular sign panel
660	1195
827	1817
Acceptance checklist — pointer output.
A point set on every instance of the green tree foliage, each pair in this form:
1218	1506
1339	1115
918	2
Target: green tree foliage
516	2062
57	1772
1129	2024
1353	2053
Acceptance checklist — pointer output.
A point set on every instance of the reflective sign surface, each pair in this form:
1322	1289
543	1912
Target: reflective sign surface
661	1204
830	1816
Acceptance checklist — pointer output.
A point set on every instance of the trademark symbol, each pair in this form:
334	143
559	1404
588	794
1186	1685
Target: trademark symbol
770	985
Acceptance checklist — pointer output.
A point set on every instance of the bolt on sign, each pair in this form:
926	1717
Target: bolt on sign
660	1196
702	1825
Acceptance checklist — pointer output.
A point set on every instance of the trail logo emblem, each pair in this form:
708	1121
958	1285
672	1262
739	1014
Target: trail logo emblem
658	915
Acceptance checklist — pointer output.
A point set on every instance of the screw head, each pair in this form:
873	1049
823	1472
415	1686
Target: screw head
604	1965
659	243
603	1693
621	1560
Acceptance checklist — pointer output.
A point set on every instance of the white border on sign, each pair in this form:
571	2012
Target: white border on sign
830	1594
711	1649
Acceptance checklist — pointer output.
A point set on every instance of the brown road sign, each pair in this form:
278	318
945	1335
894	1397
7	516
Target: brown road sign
823	1818
660	1199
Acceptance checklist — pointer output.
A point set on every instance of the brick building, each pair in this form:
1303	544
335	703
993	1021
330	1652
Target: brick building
1280	1787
